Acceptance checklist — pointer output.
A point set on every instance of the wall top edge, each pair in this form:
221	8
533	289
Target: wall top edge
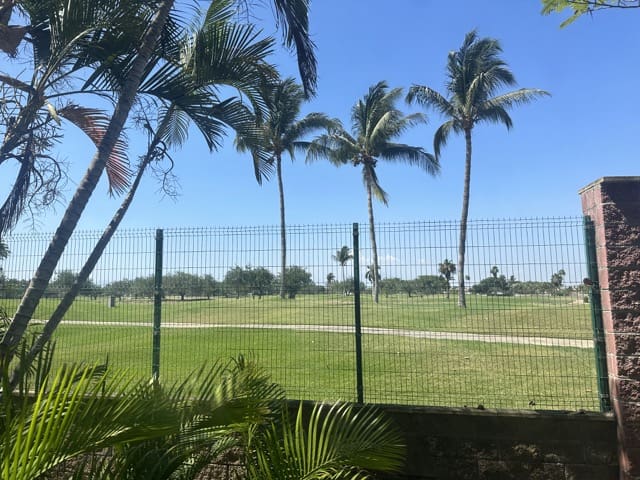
630	179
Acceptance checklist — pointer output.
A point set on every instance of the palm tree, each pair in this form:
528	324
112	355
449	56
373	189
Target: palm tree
475	73
86	186
281	132
330	279
293	16
236	58
447	269
67	41
342	256
376	122
325	442
494	271
176	431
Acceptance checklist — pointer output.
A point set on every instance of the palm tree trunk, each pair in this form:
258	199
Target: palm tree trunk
87	268
283	231
72	215
374	247
462	301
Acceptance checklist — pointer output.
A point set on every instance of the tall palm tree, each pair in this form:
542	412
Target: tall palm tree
279	132
87	185
376	122
447	269
475	74
288	11
342	256
218	52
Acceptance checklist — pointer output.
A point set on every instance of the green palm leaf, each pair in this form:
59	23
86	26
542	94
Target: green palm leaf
329	442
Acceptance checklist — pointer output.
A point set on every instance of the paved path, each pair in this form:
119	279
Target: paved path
471	337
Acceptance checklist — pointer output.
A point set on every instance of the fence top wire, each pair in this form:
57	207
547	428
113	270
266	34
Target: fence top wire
303	228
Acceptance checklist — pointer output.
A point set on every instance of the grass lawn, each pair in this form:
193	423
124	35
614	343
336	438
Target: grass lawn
542	316
321	365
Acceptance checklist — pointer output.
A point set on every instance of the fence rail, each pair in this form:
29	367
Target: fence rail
525	339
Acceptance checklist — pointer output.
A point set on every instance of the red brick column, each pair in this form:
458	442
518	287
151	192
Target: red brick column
613	203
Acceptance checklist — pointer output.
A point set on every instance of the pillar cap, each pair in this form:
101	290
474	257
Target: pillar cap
609	180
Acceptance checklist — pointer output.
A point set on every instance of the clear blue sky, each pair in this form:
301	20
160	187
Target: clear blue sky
586	130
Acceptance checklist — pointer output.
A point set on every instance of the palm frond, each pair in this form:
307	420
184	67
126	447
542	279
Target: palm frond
370	180
338	146
331	441
16	200
223	53
510	99
494	114
441	135
427	97
293	17
310	123
174	125
94	123
415	156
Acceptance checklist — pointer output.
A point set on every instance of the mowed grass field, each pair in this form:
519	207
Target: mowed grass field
321	364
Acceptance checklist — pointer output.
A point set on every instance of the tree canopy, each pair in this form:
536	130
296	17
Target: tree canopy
582	7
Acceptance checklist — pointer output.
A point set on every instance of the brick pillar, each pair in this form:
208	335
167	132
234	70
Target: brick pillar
613	203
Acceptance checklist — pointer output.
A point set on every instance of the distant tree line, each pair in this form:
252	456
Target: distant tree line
238	282
422	285
499	285
258	282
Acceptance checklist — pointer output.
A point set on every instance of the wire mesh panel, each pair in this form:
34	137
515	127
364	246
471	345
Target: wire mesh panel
224	295
524	339
110	320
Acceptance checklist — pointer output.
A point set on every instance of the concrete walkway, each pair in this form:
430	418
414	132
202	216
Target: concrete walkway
457	336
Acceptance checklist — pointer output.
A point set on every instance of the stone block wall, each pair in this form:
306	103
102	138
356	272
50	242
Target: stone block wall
471	444
613	204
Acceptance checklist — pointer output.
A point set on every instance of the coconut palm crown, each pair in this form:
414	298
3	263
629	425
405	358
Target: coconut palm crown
475	75
375	123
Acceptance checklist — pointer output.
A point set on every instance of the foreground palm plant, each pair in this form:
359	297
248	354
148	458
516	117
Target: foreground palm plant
95	423
324	441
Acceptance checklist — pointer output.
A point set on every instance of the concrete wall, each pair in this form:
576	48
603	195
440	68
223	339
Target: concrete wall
460	444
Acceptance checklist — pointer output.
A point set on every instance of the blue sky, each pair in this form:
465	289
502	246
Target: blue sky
586	130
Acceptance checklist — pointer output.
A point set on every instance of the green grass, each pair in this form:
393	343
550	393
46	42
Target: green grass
320	365
558	317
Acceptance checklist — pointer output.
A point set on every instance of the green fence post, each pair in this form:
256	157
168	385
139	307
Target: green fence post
157	306
596	315
356	306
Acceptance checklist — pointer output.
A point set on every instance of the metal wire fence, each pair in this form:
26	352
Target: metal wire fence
524	340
